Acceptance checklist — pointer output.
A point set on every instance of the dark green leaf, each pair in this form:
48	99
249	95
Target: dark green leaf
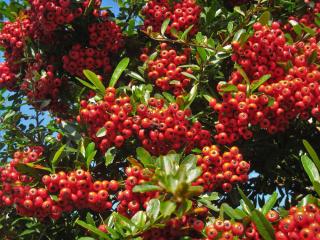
238	34
57	156
93	229
122	65
228	88
93	78
246	200
90	158
312	153
230	211
265	18
144	156
313	57
185	33
135	76
255	85
270	203
263	225
310	168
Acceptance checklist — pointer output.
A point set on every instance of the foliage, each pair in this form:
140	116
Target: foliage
149	106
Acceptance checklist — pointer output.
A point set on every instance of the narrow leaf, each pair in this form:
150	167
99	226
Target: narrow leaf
312	153
93	229
164	26
246	200
122	65
270	203
93	78
57	156
310	168
263	225
255	85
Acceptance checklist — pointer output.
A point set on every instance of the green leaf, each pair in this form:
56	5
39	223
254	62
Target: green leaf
189	75
296	27
90	220
135	76
263	225
169	97
310	168
93	78
90	158
192	95
164	26
230	211
270	203
86	238
246	200
312	153
93	229
167	208
139	219
202	53
185	33
271	101
228	88
316	186
122	65
307	199
101	132
238	35
89	149
313	57
193	174
146	188
243	74
265	18
255	85
189	162
57	156
238	10
184	207
153	209
144	157
230	27
88	85
109	155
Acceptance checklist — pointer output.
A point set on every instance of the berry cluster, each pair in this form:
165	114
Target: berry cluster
165	70
226	230
308	20
105	38
159	128
301	223
7	78
131	202
44	86
286	96
12	39
181	14
77	190
221	170
46	25
49	15
163	128
80	58
113	114
262	52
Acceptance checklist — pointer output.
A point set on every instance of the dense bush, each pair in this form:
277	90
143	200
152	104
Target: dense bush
172	120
